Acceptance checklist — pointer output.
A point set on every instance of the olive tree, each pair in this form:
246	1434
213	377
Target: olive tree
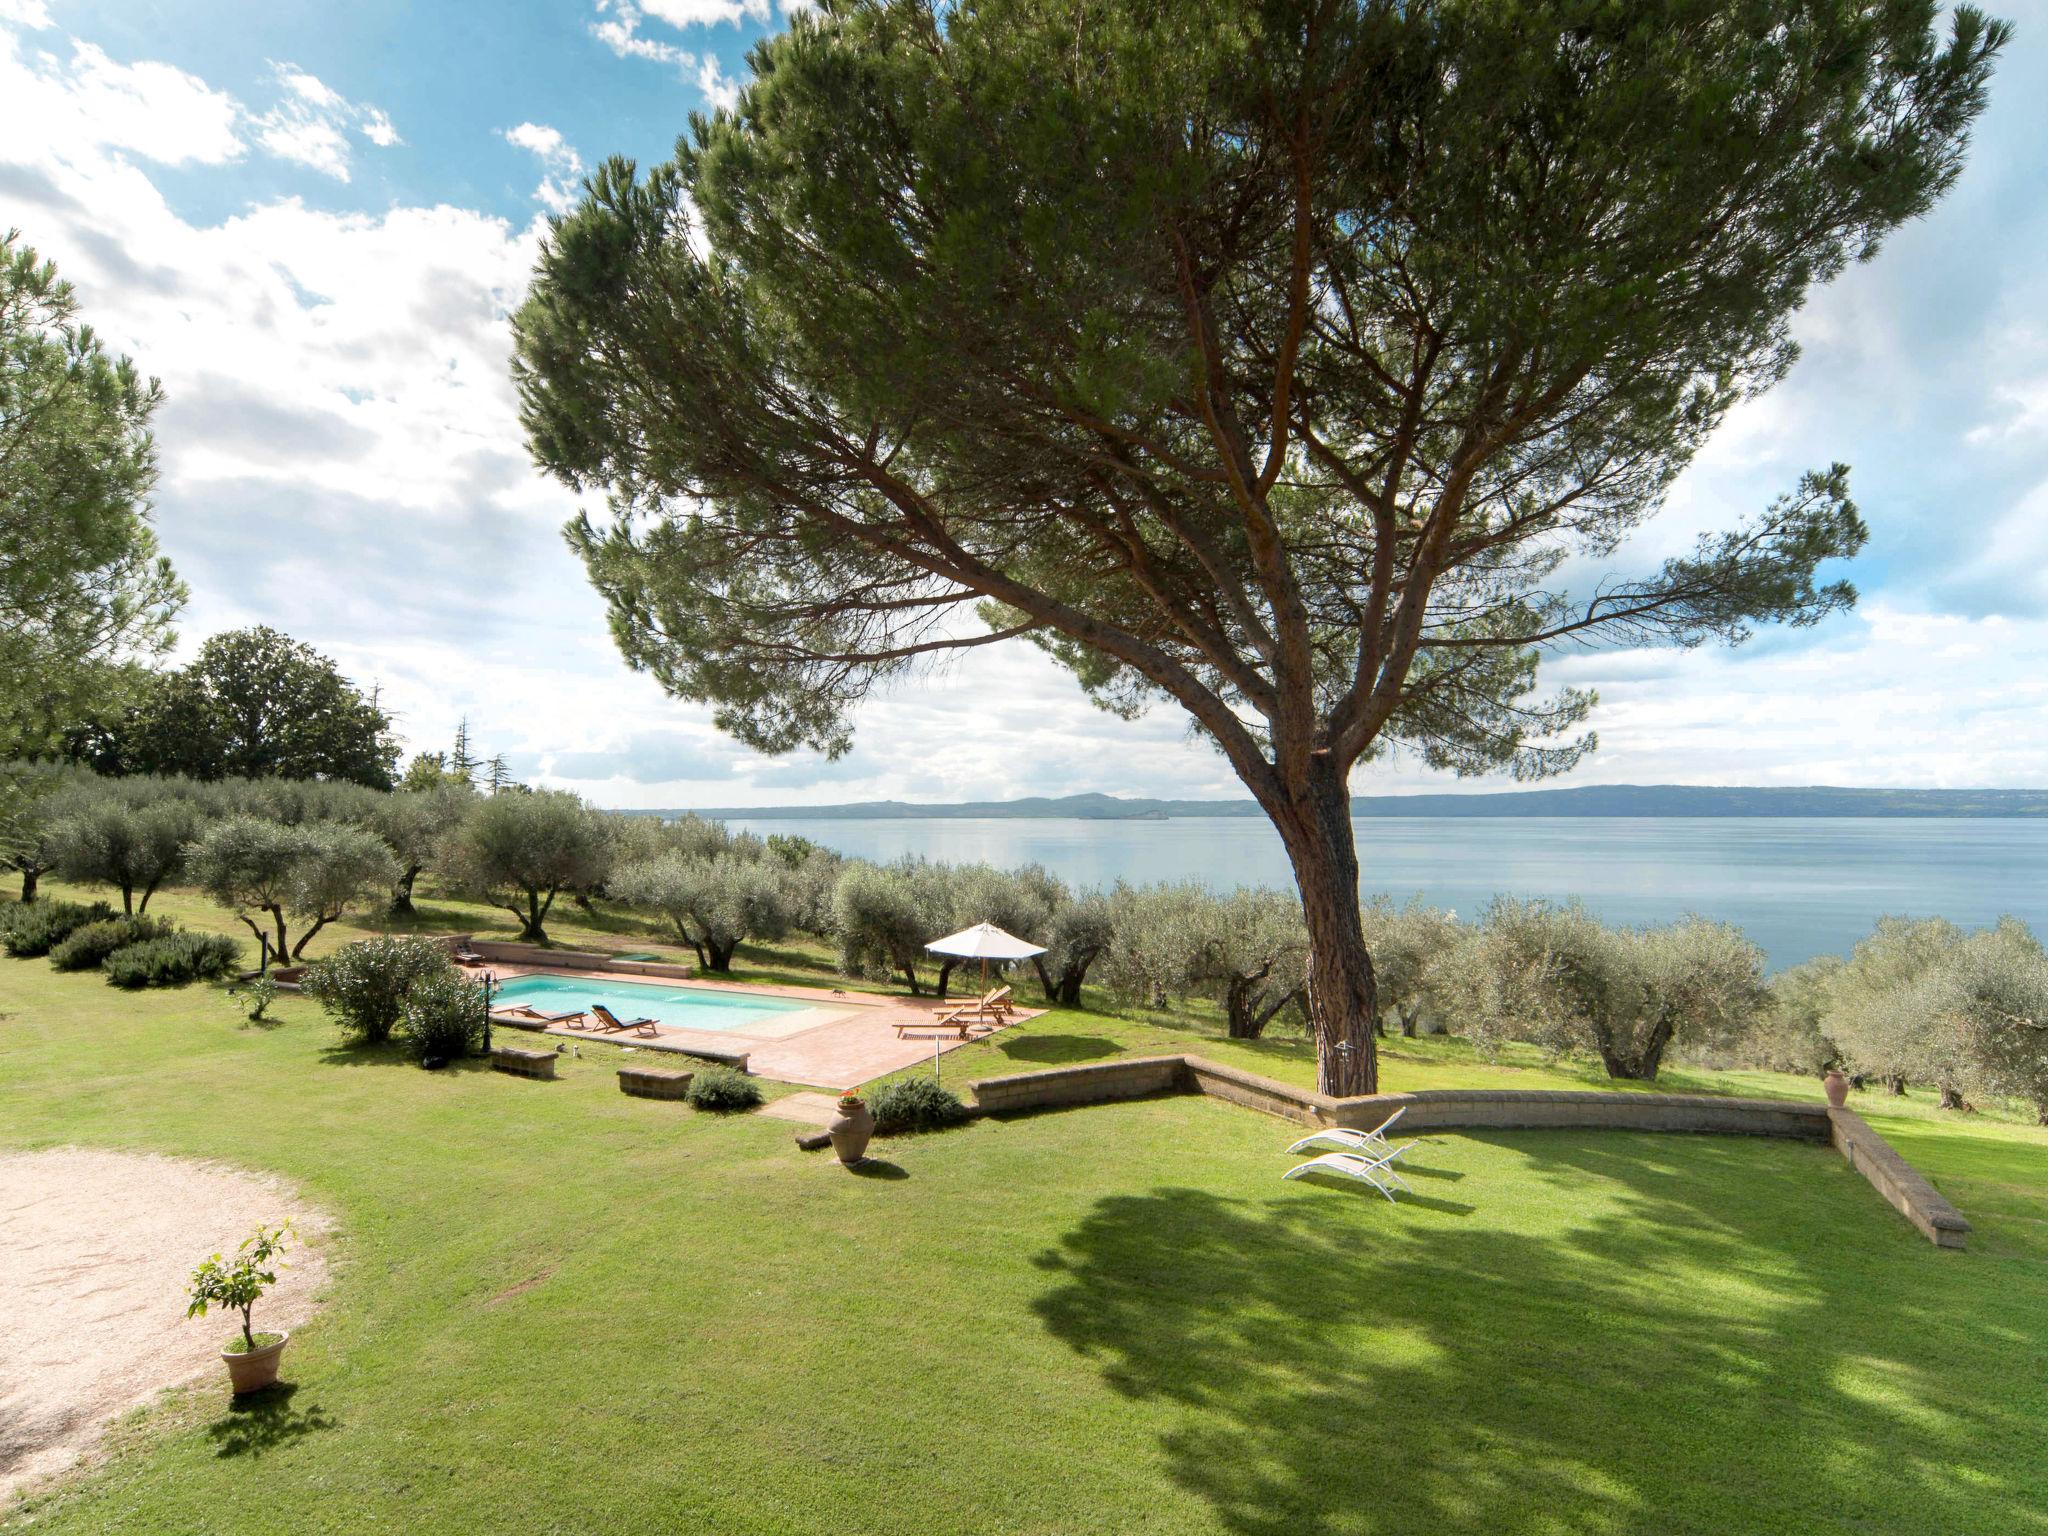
1558	978
1868	1013
1300	367
309	874
417	823
1791	1035
1248	950
1019	901
1991	992
714	904
884	914
1406	942
1081	930
519	851
133	847
1160	937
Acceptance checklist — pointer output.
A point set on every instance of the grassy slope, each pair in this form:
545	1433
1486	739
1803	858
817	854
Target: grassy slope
1110	1319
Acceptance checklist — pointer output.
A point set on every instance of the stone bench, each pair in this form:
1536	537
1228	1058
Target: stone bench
521	1062
654	1082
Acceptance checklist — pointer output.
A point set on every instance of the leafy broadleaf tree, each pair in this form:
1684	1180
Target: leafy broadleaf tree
254	703
82	585
1267	360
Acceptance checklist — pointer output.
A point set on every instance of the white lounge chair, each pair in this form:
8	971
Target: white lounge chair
1341	1138
1376	1171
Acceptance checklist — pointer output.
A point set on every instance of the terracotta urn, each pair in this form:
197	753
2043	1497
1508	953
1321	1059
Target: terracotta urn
253	1370
852	1129
1836	1087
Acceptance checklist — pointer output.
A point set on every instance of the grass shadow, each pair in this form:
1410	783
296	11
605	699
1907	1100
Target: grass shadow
260	1422
1689	1355
1057	1049
878	1168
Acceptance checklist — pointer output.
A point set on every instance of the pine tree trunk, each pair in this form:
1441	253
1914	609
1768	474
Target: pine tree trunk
29	879
1315	825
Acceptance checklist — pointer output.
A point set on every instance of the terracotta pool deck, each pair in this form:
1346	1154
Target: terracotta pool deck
837	1040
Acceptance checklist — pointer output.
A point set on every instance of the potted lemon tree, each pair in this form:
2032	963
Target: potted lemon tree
238	1283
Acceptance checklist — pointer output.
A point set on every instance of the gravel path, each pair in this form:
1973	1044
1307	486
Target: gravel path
95	1251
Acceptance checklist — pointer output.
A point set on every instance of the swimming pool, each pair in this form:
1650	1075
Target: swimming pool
703	1008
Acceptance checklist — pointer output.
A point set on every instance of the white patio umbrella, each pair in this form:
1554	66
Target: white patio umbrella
985	942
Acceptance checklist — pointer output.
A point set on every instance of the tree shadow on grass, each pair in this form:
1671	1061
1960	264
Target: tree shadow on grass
1058	1048
262	1421
1691	1356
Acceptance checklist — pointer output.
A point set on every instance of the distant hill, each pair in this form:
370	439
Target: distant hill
1647	800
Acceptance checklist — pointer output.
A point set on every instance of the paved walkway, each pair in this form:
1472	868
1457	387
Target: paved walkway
816	1109
837	1040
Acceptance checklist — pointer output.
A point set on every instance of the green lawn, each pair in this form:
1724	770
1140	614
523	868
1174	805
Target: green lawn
554	1308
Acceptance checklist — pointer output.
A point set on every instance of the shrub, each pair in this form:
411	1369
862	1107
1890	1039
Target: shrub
915	1104
36	930
444	1016
174	960
364	985
237	1284
261	994
87	948
722	1090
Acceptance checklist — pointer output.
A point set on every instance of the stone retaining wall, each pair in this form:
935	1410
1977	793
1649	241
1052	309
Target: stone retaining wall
1096	1083
1897	1180
1443	1109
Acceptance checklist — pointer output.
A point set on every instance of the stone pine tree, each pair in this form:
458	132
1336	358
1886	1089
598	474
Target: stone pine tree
1305	365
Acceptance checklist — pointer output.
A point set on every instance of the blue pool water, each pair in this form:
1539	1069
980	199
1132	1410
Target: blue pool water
682	1007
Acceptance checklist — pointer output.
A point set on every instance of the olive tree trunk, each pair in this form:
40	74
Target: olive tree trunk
1314	821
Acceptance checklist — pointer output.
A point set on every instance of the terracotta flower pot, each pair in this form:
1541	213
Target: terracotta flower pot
1836	1087
253	1370
851	1131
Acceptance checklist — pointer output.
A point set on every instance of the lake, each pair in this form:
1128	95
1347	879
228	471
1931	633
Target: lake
1799	887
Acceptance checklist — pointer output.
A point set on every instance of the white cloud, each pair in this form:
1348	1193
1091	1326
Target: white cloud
312	121
619	29
158	112
620	32
26	13
558	189
719	88
91	103
705	13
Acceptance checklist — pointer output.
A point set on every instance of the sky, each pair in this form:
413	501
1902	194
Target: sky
312	222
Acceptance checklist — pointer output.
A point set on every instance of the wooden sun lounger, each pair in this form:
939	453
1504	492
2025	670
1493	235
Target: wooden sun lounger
994	1004
536	1015
960	1020
609	1023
